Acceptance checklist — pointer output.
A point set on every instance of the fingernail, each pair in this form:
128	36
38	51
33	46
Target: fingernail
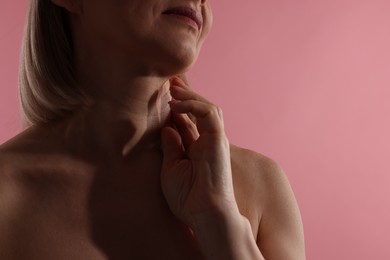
173	101
179	81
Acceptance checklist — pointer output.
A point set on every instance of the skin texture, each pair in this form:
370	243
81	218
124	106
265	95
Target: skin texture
130	176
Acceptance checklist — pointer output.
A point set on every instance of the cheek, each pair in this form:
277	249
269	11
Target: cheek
101	19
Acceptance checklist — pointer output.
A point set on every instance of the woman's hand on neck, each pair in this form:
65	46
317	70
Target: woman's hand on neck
128	84
123	119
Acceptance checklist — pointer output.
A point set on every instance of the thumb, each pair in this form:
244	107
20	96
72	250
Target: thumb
172	146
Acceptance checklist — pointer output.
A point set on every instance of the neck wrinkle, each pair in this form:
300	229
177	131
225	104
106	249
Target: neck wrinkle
116	127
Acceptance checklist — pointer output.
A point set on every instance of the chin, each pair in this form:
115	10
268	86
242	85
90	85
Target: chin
178	62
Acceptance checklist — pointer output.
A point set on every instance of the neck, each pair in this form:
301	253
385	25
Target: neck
129	100
121	121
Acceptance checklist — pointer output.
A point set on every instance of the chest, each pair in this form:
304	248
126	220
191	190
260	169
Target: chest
112	216
132	221
106	224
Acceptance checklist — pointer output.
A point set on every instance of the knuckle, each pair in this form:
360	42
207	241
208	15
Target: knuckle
192	117
219	110
189	124
215	110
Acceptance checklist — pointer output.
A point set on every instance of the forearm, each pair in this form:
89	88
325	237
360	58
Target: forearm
227	238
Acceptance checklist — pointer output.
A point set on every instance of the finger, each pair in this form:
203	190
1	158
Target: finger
183	77
187	129
181	92
178	80
209	117
182	82
171	144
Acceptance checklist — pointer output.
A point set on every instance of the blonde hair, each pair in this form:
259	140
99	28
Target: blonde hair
47	80
48	89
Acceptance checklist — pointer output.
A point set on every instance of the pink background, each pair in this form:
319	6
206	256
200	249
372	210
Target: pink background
304	82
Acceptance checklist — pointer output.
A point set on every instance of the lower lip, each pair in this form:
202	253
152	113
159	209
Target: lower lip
185	19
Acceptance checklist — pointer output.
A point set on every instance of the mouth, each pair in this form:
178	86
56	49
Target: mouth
186	13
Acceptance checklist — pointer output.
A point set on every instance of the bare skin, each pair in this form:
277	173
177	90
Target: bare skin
60	205
104	183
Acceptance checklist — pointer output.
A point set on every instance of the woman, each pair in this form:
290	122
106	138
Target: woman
111	166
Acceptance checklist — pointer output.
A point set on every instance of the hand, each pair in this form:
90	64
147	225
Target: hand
196	175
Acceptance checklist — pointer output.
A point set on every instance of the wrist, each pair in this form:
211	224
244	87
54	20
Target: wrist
217	217
215	234
225	236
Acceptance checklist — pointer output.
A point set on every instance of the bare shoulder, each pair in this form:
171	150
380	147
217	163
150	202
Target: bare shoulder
11	157
18	156
34	162
19	152
280	230
257	164
255	174
29	188
264	174
11	197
